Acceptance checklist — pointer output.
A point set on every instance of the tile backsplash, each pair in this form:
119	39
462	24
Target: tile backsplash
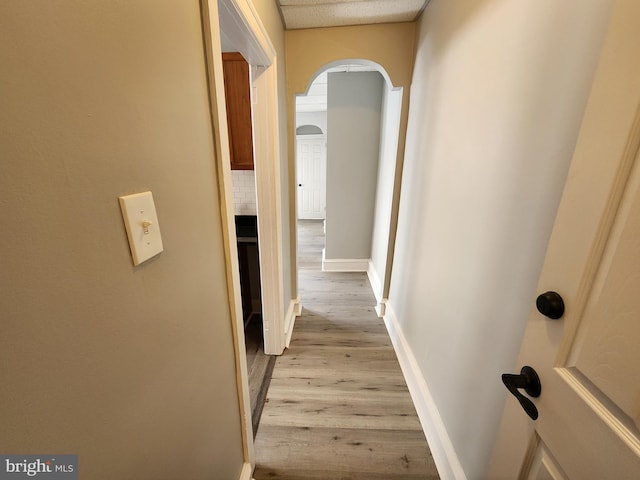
244	192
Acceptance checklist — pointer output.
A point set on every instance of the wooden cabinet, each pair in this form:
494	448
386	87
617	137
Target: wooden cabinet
237	87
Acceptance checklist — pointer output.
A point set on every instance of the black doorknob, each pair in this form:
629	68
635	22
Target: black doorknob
550	304
529	380
299	184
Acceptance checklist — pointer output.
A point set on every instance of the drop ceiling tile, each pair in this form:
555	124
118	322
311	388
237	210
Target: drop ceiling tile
329	13
322	2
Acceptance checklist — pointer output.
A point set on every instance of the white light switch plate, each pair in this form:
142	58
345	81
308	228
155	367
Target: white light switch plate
141	222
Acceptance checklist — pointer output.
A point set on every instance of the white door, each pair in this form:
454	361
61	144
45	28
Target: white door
588	361
312	173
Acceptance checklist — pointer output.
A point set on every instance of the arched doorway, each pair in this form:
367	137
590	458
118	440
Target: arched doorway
361	164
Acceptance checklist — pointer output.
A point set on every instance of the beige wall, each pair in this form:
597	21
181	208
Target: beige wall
131	368
498	93
389	45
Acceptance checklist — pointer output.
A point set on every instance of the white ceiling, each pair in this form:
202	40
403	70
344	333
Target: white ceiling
333	13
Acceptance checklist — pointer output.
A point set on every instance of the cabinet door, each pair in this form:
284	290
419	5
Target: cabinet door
238	99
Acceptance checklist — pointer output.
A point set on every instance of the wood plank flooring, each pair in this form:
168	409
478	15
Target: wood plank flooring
260	368
338	407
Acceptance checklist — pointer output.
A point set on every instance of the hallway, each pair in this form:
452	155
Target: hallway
338	406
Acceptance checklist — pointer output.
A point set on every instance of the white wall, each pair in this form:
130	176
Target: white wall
496	102
353	143
389	128
244	192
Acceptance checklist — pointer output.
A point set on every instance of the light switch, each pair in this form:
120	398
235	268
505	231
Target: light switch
141	222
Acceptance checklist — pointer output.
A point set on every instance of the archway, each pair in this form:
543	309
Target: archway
373	179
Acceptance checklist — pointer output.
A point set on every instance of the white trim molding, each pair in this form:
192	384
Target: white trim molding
243	27
246	472
376	286
444	455
381	308
266	153
294	311
213	64
374	280
344	264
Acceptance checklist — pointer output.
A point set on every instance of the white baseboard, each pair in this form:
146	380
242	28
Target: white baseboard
444	454
246	472
381	308
374	281
344	264
294	311
376	286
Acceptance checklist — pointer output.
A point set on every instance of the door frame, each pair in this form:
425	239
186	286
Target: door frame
243	27
380	281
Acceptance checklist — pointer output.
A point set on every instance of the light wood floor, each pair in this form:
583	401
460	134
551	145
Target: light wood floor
338	407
